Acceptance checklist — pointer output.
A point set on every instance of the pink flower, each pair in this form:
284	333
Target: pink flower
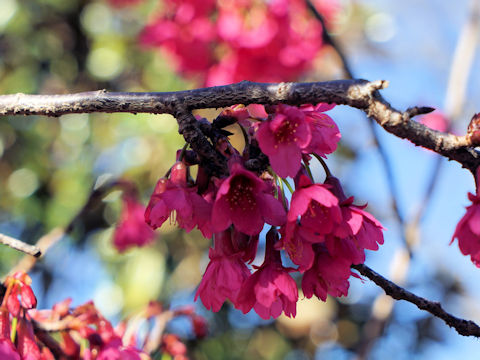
224	275
315	206
26	344
270	290
325	133
298	244
18	286
283	137
186	33
358	230
467	231
131	229
7	349
243	199
114	349
246	244
436	121
328	276
173	196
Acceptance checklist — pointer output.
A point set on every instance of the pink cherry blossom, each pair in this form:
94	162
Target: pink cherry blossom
358	230
7	349
436	121
315	206
224	275
283	137
26	344
325	133
270	290
173	197
467	231
131	229
298	244
243	199
328	276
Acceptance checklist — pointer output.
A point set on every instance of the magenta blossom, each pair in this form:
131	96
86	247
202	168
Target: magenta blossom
467	231
224	275
358	230
7	349
244	200
298	244
172	197
283	137
315	207
131	229
313	214
328	276
270	290
325	133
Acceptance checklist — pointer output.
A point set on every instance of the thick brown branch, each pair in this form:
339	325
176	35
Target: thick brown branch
462	326
360	94
189	127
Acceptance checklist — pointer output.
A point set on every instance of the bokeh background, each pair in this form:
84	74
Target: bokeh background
48	167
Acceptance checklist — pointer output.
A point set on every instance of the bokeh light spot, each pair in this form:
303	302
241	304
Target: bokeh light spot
22	182
380	27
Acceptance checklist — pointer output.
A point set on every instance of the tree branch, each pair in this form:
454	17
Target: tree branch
20	245
462	326
360	94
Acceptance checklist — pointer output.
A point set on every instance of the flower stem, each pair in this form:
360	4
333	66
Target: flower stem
324	165
13	330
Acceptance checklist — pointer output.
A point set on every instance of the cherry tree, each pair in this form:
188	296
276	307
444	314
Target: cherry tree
278	229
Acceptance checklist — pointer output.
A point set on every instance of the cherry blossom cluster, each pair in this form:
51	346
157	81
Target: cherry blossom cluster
83	333
320	229
221	42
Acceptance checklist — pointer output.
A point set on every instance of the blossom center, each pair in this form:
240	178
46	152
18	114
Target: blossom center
241	194
286	133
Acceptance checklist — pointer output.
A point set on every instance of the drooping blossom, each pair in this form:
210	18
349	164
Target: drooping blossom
313	214
174	198
269	290
358	231
298	244
19	294
131	229
283	137
246	244
315	206
7	349
26	344
325	133
245	200
328	275
467	231
224	275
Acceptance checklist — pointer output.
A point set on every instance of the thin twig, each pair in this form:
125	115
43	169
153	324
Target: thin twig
462	326
20	245
330	41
